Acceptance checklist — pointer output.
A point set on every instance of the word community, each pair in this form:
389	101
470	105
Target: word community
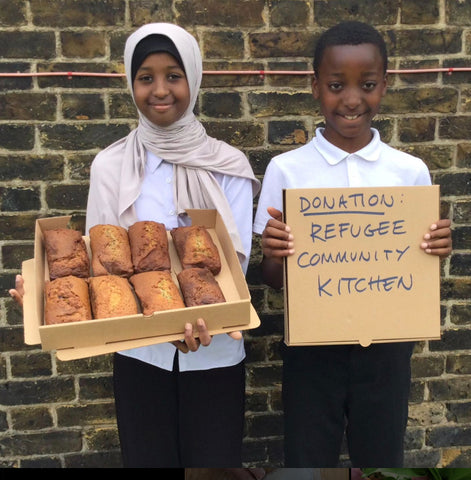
306	259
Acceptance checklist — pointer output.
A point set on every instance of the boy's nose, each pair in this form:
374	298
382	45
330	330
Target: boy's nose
352	98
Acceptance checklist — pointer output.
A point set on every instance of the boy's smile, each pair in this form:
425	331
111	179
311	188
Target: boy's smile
161	90
349	86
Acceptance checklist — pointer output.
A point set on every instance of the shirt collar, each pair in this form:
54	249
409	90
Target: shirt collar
334	155
153	162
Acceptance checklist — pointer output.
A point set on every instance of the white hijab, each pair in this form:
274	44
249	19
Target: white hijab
185	144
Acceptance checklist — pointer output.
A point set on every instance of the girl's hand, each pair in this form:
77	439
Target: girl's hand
18	292
438	240
191	343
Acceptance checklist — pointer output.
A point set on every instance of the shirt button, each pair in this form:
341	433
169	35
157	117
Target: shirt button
172	212
168	179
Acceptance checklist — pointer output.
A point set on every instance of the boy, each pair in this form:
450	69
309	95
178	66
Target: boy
325	387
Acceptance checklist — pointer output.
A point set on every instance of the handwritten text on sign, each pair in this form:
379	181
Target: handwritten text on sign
366	208
358	250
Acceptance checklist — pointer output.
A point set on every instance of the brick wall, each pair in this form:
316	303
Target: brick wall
60	414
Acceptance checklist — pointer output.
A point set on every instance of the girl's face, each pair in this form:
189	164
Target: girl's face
350	85
161	90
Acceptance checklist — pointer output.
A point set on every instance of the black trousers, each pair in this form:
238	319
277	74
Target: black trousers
179	419
329	390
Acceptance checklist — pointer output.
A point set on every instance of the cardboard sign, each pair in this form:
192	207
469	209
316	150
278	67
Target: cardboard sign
358	274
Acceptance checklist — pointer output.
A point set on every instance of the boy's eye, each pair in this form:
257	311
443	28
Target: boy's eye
369	86
335	86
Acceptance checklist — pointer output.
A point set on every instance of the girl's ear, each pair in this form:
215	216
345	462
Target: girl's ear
315	87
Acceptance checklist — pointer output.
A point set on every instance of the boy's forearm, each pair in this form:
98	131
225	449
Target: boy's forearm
272	273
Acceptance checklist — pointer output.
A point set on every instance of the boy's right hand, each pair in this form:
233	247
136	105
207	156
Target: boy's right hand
277	243
277	239
19	290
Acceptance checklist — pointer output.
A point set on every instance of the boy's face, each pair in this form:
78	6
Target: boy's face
161	90
349	87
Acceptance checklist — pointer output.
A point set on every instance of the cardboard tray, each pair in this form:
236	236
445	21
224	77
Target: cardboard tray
100	336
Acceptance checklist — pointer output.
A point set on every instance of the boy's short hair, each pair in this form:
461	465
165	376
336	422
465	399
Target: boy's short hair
349	33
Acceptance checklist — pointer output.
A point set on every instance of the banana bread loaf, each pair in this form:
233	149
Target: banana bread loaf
66	300
149	246
111	252
156	291
199	287
112	296
66	253
195	248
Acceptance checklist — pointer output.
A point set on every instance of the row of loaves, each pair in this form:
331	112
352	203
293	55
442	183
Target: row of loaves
131	271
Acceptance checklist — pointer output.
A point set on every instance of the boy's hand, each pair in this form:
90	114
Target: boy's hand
438	240
277	240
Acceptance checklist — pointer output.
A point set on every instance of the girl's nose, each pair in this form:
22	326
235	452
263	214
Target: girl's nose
160	89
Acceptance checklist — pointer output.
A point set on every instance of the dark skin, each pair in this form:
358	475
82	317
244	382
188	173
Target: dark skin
349	86
278	243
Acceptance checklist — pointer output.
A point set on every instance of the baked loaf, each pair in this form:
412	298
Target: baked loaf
149	246
111	252
112	296
66	300
66	253
156	291
195	248
199	287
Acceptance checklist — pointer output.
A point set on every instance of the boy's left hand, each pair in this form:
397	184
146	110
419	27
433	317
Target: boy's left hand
438	240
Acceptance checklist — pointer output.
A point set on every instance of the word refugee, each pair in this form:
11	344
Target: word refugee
341	230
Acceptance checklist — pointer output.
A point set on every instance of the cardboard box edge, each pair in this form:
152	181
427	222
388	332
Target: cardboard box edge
209	217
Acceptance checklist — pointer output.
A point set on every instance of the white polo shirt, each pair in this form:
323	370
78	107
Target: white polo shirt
320	164
156	203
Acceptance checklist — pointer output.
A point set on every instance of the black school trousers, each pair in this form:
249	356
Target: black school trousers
179	419
329	391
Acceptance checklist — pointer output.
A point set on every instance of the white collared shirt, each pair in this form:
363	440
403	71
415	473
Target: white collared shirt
156	203
320	164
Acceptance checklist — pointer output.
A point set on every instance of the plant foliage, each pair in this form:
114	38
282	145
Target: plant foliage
411	473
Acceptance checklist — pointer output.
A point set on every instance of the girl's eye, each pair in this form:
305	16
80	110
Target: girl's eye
175	76
145	78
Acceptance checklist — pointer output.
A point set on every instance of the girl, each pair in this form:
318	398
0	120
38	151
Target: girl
177	405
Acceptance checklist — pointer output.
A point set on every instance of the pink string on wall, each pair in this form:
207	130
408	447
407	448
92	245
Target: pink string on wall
262	73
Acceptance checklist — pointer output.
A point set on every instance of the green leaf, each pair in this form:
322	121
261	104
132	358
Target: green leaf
431	473
434	473
398	473
456	473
